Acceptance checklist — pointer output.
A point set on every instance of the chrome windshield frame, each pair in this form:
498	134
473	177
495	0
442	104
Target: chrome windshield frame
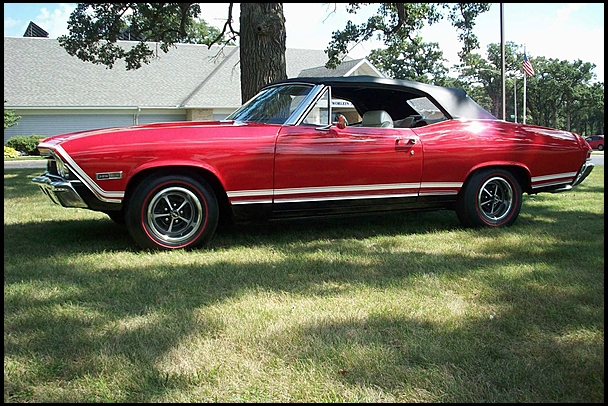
299	112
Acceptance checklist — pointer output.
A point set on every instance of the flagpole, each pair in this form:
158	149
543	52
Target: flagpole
502	56
515	96
524	112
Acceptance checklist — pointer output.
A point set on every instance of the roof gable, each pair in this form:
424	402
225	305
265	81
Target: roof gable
346	68
38	72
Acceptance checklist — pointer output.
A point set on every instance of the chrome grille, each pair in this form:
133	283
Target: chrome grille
51	166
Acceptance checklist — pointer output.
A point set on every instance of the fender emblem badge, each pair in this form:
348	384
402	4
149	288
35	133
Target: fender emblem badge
108	175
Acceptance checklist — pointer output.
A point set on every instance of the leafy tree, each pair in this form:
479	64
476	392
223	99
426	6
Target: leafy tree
573	79
557	90
95	27
411	60
484	75
199	32
10	119
401	21
588	118
559	95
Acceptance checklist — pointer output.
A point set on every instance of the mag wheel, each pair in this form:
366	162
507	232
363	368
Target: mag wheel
172	212
491	197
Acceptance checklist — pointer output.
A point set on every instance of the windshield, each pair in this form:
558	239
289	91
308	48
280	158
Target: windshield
273	105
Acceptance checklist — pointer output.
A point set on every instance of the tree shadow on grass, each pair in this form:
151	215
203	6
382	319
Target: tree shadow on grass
69	319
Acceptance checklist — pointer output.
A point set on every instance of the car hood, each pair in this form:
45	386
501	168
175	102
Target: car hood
145	134
56	139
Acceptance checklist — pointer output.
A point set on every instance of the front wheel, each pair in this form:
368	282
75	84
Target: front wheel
491	197
600	147
172	212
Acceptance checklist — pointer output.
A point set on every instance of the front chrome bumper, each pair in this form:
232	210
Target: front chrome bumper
59	190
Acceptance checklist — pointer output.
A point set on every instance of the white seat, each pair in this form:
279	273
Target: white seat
376	118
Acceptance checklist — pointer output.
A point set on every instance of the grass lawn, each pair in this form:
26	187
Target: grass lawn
394	308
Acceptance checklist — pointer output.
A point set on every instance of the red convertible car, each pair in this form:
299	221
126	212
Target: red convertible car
313	147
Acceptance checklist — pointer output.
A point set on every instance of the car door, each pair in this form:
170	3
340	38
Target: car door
345	170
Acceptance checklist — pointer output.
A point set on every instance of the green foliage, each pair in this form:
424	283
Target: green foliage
397	22
199	32
95	29
561	92
27	144
10	119
411	60
559	95
10	152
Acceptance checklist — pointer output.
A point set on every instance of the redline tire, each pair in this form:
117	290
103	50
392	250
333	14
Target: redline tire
172	212
490	198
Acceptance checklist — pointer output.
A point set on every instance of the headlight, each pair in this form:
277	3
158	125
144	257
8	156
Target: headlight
62	169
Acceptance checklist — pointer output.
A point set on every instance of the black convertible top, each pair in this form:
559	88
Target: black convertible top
374	93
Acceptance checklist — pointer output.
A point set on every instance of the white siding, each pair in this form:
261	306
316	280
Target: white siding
53	124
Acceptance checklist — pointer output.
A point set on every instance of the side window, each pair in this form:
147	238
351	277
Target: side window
345	108
427	111
319	114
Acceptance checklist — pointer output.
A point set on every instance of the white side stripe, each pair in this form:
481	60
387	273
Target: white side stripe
556	176
103	195
354	188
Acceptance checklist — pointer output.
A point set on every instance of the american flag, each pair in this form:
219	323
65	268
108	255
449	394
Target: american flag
528	66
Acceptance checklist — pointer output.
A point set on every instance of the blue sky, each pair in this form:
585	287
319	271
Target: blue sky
565	31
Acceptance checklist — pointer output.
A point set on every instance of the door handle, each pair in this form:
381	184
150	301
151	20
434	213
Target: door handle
404	144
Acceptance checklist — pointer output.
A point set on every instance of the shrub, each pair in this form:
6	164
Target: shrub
10	152
28	144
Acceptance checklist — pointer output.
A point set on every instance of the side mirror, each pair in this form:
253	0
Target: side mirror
341	123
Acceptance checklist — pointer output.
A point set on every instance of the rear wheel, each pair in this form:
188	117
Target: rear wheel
491	197
600	147
172	212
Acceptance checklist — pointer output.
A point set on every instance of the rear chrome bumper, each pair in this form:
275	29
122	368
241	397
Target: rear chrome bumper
60	191
580	176
583	172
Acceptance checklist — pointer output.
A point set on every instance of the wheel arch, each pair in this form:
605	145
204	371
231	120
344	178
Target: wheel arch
226	214
520	173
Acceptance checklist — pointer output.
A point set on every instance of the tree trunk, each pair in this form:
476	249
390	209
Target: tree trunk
262	49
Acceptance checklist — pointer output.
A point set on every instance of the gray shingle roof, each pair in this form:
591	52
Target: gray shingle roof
322	71
38	72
